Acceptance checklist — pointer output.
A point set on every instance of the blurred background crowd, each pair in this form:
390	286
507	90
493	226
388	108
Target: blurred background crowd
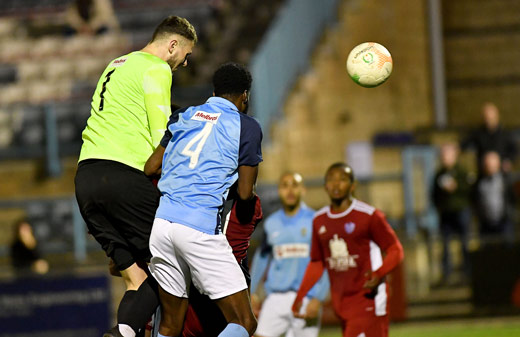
435	148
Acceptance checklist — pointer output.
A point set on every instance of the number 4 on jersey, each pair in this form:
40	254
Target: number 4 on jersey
201	138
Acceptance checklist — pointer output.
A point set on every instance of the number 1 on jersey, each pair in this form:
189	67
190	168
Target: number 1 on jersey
201	138
101	95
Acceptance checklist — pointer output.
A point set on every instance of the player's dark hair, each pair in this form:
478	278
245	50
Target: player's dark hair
231	79
343	166
175	25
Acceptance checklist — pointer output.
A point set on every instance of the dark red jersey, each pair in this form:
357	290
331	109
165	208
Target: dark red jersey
349	244
239	235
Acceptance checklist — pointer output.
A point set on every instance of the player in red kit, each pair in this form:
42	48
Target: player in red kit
348	238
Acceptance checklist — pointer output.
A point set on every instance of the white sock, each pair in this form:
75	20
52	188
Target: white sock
126	330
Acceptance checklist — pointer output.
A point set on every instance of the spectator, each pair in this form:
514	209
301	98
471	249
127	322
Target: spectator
491	136
493	199
451	189
25	257
90	17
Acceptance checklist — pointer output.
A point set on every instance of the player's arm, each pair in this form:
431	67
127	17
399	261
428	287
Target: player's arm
260	263
317	295
312	274
153	166
259	267
250	155
245	204
246	181
320	290
154	163
385	237
157	84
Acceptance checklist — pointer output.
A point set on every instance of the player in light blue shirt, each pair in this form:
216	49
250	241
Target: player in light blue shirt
210	142
284	254
207	149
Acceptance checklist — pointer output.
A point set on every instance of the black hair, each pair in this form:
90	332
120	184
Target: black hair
175	25
231	79
343	166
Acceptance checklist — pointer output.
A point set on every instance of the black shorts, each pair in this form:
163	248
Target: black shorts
118	204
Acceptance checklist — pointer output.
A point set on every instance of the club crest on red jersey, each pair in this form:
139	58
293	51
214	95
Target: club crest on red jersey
340	259
350	227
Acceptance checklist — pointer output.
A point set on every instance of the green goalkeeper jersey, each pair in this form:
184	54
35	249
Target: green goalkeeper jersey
130	109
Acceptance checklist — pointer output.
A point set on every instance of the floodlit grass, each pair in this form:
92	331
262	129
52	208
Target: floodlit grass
479	327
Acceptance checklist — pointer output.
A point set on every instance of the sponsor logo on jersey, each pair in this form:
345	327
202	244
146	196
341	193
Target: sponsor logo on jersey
211	117
349	227
291	250
322	230
340	258
361	335
119	62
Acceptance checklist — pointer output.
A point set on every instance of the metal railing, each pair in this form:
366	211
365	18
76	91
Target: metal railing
73	232
284	53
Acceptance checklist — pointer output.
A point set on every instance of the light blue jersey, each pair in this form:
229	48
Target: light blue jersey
205	145
286	252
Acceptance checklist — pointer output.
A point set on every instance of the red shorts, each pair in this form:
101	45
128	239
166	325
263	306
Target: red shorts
371	326
192	325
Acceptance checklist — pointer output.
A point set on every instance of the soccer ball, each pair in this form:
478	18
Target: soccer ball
369	64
